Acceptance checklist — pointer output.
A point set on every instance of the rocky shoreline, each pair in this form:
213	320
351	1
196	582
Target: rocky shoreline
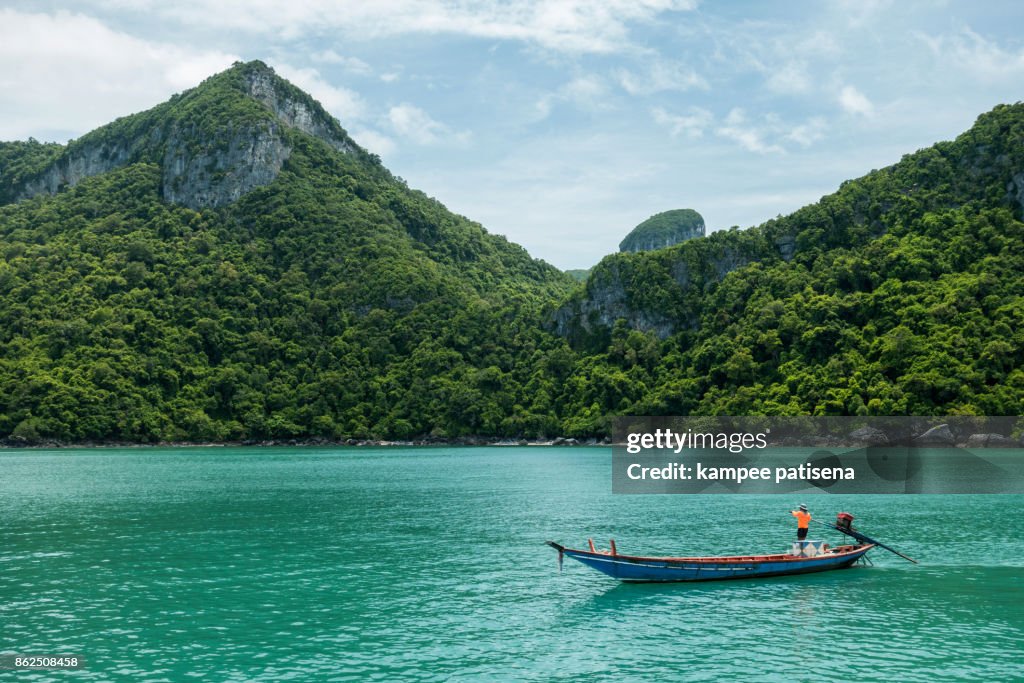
939	436
313	442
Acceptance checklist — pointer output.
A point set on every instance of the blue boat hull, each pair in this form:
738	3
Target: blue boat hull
630	568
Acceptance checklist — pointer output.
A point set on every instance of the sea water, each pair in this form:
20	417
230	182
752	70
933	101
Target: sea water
428	564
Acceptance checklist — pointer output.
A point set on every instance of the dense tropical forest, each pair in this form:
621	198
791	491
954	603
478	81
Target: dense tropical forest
902	293
333	301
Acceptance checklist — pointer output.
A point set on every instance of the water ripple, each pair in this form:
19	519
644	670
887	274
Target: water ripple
427	565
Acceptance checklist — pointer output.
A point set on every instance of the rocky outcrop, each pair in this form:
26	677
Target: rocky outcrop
606	302
869	436
202	166
660	291
940	435
664	230
786	244
607	297
1015	189
223	170
296	111
69	170
990	441
730	260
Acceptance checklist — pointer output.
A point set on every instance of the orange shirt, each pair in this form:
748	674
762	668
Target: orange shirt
803	519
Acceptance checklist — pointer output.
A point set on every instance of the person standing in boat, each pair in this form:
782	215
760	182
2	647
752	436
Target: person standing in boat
803	520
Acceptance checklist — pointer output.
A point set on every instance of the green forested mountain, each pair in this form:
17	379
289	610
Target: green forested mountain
332	300
231	265
902	293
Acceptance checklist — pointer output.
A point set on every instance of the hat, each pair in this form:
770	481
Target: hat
803	508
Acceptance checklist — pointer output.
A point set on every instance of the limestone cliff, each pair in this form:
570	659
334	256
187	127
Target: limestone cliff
607	300
209	154
661	291
664	230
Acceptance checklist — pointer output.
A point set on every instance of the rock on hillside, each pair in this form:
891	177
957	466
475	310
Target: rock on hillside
209	155
663	230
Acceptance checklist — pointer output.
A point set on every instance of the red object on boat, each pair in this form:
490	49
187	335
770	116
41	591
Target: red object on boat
844	520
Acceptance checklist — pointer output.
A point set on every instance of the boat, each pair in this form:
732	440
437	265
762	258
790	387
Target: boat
806	556
641	569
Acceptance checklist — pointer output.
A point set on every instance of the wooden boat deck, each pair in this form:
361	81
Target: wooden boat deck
779	557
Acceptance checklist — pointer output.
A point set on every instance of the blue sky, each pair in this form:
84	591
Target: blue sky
558	124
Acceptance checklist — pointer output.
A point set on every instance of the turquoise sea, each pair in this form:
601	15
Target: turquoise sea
428	564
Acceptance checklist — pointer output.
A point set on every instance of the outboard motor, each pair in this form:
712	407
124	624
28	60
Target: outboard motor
843	521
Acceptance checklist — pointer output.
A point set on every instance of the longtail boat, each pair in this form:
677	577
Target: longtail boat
638	569
806	557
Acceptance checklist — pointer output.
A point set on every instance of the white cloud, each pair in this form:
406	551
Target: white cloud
806	134
343	103
374	141
790	58
982	59
691	125
751	137
353	65
818	44
661	76
791	78
586	92
763	137
542	108
575	26
585	89
853	101
66	73
414	124
860	12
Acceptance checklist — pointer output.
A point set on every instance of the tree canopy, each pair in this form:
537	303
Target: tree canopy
338	302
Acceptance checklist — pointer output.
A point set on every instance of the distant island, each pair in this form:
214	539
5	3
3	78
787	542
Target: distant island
578	274
657	232
232	266
664	230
